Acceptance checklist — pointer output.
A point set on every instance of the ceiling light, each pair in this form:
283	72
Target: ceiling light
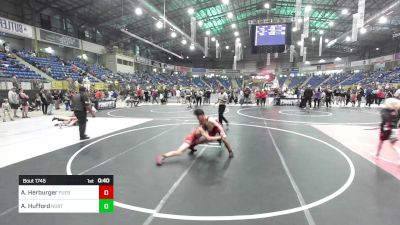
191	47
307	62
345	11
190	11
313	39
351	50
300	20
229	15
266	5
208	32
226	2
383	20
321	32
237	39
204	56
348	39
326	40
187	57
213	39
138	11
331	23
169	58
173	34
322	60
240	44
200	23
299	43
184	42
363	30
308	8
227	47
294	29
233	25
377	49
236	33
217	44
338	59
159	24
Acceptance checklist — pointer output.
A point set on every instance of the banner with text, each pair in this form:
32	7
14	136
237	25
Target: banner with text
15	28
59	39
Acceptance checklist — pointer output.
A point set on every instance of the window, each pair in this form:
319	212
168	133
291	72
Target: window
119	61
125	62
130	63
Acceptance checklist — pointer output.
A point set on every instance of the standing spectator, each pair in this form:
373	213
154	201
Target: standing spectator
199	97
154	95
380	96
258	97
13	100
208	96
140	94
308	94
178	96
263	96
369	96
360	94
146	96
24	102
317	98
43	98
38	102
50	101
328	97
222	100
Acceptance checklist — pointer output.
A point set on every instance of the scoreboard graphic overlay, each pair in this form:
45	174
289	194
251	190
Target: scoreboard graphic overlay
66	194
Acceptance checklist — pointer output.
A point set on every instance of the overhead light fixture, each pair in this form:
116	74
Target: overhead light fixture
321	32
208	32
331	23
226	2
237	40
204	56
217	44
227	47
190	11
200	23
321	61
187	57
212	39
300	20
313	39
184	42
229	15
138	11
294	29
191	47
240	44
351	50
348	39
233	25
377	49
345	11
338	59
169	58
236	33
308	8
363	30
383	20
173	34
299	43
307	63
266	5
159	24
326	40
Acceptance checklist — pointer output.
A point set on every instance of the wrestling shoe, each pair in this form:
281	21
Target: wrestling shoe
85	137
231	155
159	160
192	151
53	119
376	155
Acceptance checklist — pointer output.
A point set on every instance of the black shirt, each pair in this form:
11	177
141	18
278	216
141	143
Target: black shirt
80	101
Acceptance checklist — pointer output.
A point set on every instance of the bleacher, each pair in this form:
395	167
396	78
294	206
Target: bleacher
355	79
281	81
296	81
316	80
59	70
10	67
199	83
225	82
336	79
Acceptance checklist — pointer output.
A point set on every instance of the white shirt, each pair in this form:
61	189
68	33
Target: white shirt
222	98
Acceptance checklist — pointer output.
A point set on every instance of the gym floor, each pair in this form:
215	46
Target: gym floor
291	166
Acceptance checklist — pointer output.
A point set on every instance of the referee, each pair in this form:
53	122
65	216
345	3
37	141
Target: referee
80	105
222	100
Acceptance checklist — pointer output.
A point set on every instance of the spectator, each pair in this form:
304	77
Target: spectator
24	102
13	100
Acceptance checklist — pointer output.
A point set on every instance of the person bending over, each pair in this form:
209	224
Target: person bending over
197	136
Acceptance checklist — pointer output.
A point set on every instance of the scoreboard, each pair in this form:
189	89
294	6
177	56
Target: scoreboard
270	35
66	194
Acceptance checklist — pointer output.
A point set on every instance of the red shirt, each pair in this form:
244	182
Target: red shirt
258	94
263	94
